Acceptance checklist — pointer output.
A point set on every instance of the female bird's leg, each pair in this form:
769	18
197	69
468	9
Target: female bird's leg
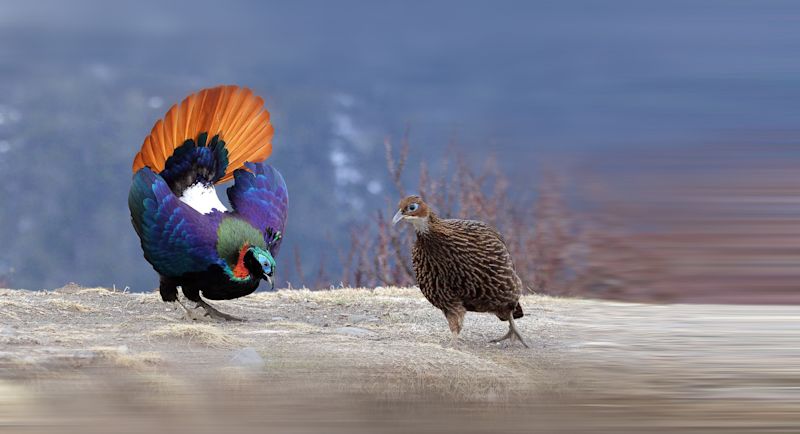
513	327
214	313
455	319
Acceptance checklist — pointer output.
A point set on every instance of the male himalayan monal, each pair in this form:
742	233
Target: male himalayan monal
187	235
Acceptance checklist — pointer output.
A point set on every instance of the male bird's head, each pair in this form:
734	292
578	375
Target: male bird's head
260	264
415	211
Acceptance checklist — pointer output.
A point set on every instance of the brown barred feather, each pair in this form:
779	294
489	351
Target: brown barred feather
462	265
465	262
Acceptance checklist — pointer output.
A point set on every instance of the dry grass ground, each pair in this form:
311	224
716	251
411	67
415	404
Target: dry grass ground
94	360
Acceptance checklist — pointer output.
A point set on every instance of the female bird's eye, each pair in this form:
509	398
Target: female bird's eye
413	207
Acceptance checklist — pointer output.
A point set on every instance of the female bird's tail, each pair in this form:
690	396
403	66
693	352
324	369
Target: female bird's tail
207	137
518	313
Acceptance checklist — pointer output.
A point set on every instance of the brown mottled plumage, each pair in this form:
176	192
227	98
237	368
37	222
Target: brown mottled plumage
461	266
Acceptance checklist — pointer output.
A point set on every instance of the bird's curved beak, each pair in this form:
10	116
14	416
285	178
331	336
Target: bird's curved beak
268	270
397	217
271	282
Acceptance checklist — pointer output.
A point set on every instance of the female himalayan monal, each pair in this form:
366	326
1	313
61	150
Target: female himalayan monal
462	265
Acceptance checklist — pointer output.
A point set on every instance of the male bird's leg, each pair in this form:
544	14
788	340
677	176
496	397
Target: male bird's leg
189	313
455	319
214	313
171	292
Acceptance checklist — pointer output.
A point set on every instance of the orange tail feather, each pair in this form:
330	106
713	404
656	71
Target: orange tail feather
234	113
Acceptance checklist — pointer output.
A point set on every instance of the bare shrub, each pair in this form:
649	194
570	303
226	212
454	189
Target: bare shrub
692	226
540	235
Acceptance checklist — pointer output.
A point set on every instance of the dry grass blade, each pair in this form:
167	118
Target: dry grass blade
199	334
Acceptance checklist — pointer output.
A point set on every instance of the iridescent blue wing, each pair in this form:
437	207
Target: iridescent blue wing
175	238
259	196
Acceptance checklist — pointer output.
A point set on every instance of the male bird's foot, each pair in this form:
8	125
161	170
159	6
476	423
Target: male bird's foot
212	312
189	313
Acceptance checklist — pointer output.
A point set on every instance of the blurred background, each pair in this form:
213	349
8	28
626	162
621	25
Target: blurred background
634	150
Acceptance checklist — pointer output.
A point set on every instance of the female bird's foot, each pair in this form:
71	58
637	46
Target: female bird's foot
513	333
509	335
212	312
454	342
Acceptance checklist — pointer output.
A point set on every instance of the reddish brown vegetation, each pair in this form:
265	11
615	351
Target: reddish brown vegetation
549	243
692	227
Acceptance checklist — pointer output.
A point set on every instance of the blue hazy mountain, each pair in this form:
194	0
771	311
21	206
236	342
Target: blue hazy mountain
81	84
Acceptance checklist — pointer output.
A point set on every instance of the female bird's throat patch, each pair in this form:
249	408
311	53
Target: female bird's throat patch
240	271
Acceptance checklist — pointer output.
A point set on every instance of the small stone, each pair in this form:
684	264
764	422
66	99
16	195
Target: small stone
247	357
355	319
278	318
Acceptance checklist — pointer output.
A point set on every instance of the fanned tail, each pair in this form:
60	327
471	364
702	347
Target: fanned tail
207	137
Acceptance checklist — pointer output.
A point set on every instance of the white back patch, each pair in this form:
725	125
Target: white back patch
202	198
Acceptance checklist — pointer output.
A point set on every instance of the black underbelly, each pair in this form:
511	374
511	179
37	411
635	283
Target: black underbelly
215	284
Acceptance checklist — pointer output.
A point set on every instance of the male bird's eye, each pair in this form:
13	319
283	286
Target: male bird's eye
413	207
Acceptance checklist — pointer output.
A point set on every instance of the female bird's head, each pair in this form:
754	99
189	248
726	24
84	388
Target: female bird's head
259	263
415	211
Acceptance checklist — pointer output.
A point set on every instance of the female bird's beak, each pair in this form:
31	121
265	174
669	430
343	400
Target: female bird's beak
397	217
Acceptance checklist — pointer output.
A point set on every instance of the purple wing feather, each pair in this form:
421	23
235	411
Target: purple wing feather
175	238
259	195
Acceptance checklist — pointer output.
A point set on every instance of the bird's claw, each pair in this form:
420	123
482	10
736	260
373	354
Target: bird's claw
513	334
188	312
212	312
